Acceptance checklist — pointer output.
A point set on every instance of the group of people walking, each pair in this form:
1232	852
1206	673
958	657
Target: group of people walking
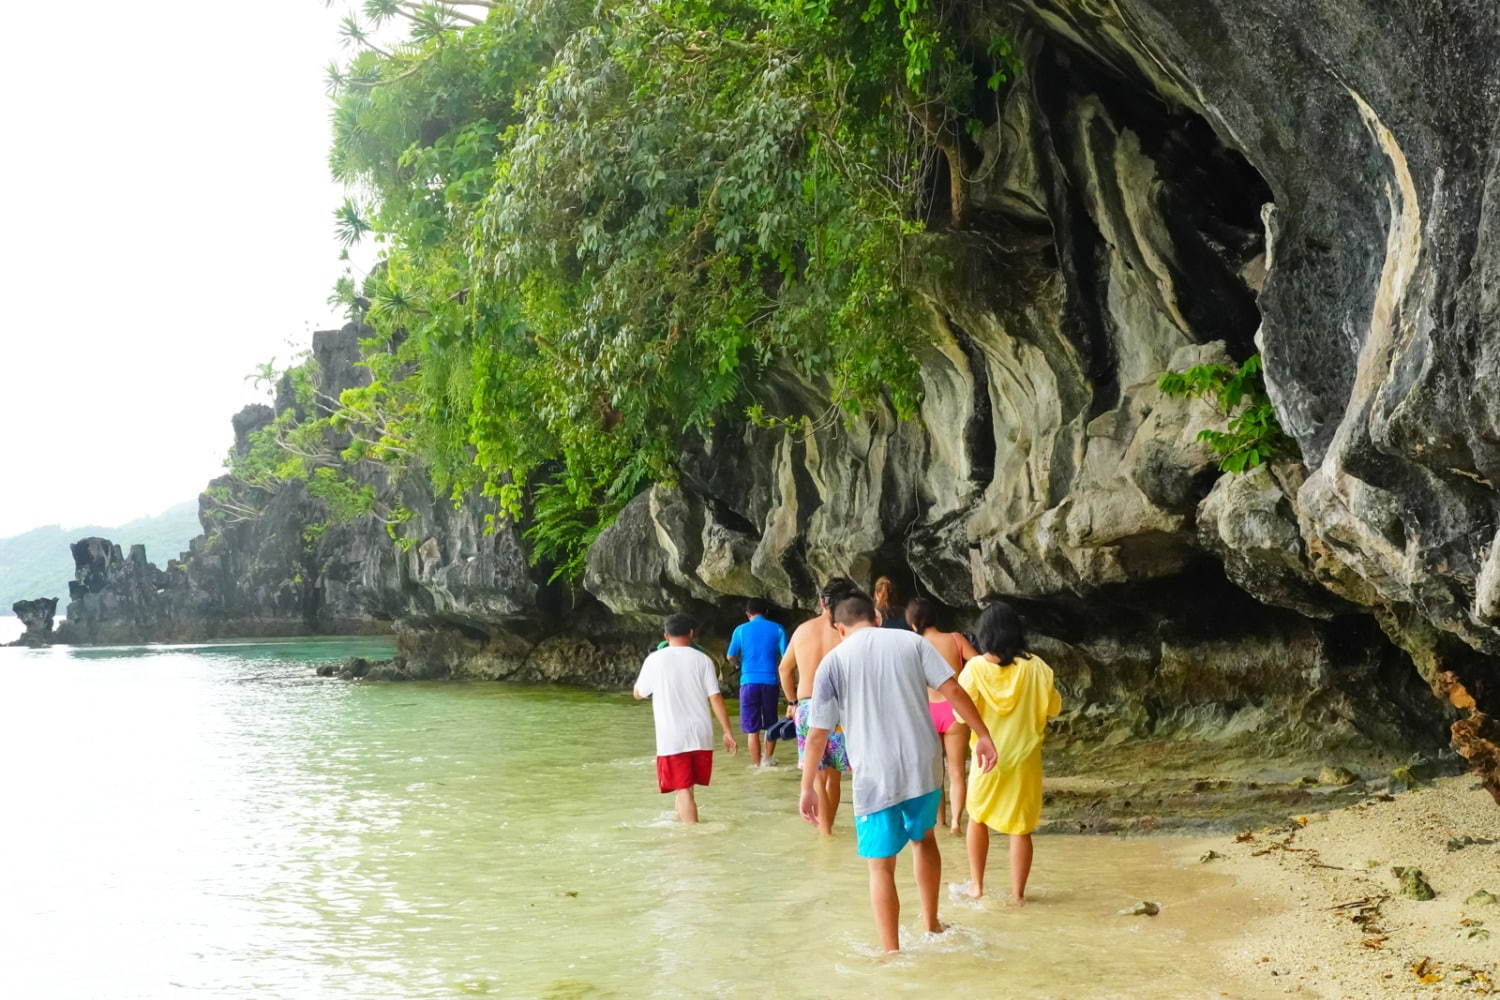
881	693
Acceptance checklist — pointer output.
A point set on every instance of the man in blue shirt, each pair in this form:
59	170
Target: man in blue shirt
758	645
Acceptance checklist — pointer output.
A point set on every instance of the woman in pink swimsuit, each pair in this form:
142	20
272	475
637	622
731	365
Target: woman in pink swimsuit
922	617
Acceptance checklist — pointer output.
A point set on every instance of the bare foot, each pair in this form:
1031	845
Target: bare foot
974	891
956	830
940	928
1016	902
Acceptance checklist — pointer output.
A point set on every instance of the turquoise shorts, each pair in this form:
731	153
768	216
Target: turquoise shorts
882	834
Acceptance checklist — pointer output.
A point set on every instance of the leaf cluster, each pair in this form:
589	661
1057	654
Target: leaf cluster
603	225
1253	435
312	440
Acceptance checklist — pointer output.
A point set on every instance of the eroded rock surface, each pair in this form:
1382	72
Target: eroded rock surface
37	616
1166	184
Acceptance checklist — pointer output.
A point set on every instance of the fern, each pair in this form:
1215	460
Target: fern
566	517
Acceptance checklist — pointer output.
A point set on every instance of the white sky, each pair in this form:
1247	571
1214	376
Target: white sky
167	226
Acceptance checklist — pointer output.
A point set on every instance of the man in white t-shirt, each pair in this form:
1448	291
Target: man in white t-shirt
874	683
682	685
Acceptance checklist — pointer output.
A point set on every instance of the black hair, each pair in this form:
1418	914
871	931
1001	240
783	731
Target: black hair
756	606
680	625
836	590
854	609
999	632
921	614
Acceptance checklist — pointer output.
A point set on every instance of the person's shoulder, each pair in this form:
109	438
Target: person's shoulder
835	657
1040	665
904	637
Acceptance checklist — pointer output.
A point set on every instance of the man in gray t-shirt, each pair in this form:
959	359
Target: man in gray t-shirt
874	684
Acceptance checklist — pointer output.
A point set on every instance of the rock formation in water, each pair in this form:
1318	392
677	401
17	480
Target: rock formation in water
37	617
1169	182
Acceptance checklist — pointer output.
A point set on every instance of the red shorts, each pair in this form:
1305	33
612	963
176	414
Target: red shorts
684	770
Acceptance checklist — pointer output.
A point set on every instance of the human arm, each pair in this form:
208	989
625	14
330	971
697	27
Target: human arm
966	650
823	716
807	802
716	702
963	706
787	672
732	654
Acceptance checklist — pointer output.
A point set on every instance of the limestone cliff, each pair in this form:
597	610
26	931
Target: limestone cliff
1169	182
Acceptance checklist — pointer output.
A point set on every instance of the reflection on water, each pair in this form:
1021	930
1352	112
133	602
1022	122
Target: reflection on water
214	821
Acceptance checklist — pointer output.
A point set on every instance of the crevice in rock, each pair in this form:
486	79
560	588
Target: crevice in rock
1081	251
731	518
979	430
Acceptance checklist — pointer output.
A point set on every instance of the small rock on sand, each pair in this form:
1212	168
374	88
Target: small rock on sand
1144	908
1413	884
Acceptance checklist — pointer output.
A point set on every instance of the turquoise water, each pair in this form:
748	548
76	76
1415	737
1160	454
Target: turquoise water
215	821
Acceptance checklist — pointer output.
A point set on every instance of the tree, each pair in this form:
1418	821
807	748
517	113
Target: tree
602	224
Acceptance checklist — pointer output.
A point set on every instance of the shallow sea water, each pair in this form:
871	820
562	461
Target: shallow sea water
215	821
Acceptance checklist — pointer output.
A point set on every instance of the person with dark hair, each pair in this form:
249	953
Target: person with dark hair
892	614
758	646
874	684
810	643
1015	694
921	615
683	685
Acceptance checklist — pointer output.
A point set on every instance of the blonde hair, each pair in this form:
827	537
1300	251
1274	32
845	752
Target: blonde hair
885	590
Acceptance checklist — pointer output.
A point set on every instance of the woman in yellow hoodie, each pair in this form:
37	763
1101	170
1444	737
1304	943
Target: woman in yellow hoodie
1015	696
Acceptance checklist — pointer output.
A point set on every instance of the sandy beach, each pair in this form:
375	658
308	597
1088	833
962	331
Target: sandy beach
1335	921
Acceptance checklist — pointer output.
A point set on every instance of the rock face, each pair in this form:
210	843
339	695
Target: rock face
37	617
1169	182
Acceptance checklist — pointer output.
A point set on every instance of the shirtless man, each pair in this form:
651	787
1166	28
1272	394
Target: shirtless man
810	643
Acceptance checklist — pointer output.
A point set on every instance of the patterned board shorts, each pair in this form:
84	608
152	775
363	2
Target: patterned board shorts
834	756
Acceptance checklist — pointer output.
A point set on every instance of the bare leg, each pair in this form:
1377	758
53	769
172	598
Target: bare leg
770	752
927	861
1020	865
979	853
956	749
754	740
687	806
829	791
885	902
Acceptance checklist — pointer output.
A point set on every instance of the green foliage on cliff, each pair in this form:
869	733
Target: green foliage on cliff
1253	435
599	224
313	440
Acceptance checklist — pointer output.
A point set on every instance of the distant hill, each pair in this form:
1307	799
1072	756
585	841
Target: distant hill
39	563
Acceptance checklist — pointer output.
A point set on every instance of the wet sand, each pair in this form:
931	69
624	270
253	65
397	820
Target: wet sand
1333	922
